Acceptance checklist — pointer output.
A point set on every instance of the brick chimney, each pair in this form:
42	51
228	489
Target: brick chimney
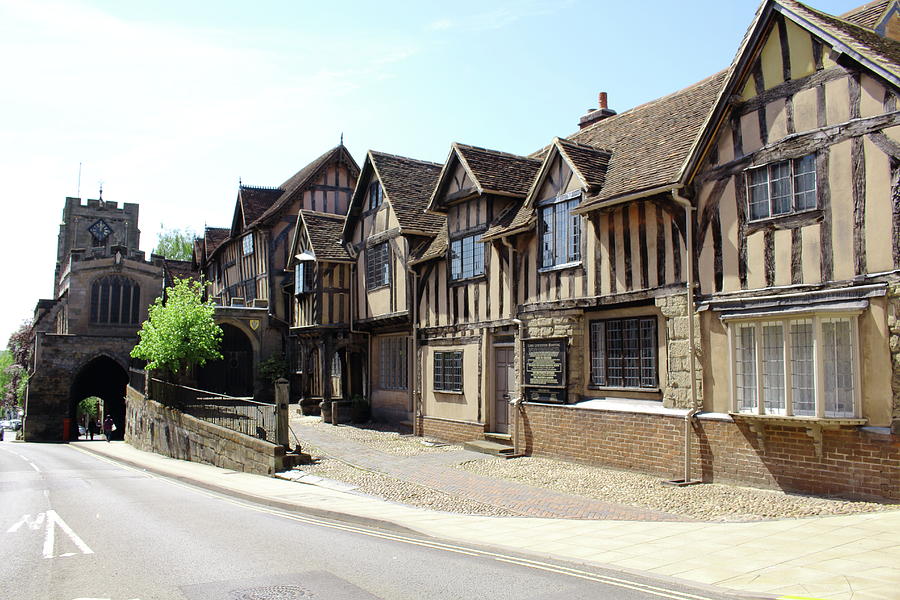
596	114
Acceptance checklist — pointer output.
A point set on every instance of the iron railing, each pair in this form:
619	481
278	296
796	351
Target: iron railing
241	414
137	378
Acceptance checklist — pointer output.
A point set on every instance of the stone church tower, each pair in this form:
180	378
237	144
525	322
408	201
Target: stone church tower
102	287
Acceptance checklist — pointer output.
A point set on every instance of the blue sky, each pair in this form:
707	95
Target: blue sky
169	103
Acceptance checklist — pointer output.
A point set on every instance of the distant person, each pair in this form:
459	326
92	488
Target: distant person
92	428
108	425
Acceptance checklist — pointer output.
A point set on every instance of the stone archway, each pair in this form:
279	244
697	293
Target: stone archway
233	375
105	378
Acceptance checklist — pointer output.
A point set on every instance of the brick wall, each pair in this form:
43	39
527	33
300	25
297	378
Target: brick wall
449	430
855	462
152	427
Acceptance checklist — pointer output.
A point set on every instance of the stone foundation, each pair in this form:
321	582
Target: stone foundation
677	387
152	427
893	298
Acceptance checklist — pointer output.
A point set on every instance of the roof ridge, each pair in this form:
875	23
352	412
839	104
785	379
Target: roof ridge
653	102
582	145
335	216
418	160
264	188
490	151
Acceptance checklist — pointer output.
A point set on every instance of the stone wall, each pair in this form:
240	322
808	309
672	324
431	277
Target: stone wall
855	462
562	324
152	427
893	297
677	387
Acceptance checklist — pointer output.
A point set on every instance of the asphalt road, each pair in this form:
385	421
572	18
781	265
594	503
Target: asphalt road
75	526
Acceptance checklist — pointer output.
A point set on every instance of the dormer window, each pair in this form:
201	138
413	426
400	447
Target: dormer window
466	257
560	232
247	244
303	281
376	195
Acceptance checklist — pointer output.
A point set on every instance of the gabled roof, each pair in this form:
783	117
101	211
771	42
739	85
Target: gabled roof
437	248
879	55
323	232
492	172
299	180
213	237
588	164
867	15
252	202
407	184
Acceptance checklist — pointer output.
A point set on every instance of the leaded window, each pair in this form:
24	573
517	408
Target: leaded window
376	195
560	232
378	266
624	353
394	363
247	244
448	371
115	300
782	188
303	277
775	364
466	257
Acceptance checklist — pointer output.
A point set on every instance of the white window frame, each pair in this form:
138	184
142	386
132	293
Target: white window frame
302	273
794	196
247	244
394	370
818	359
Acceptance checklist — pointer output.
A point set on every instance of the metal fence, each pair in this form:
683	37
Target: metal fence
244	415
137	379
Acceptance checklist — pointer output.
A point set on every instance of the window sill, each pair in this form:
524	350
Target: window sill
785	221
378	287
455	393
468	280
814	426
562	267
646	390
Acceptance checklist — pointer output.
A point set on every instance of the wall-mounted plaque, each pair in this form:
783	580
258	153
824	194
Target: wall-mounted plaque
545	370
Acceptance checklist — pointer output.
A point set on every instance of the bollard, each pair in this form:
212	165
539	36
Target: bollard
281	412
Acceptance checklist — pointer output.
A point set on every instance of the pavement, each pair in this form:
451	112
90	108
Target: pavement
837	557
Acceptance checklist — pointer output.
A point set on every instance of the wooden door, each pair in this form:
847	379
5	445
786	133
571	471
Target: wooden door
504	386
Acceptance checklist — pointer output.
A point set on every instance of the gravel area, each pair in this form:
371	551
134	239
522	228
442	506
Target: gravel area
396	490
710	501
383	438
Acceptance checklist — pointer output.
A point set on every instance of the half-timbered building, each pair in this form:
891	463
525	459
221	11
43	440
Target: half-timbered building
466	306
386	224
248	273
704	286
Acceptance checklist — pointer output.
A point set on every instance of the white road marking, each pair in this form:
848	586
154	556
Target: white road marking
34	523
34	466
14	453
52	520
534	564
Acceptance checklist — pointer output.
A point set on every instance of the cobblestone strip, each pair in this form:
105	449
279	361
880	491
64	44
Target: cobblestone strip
435	471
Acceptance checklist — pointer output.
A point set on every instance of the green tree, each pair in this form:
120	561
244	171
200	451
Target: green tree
89	407
180	332
174	244
14	369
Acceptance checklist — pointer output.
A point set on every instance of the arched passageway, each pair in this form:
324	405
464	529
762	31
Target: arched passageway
233	375
105	378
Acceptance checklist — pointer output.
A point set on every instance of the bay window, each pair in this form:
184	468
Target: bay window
796	367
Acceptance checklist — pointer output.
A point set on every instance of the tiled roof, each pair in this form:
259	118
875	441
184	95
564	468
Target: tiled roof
213	237
408	184
883	52
590	163
324	231
513	217
182	269
303	177
867	15
498	171
437	248
648	144
255	201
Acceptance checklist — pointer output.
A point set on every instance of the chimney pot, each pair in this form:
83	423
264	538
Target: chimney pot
601	98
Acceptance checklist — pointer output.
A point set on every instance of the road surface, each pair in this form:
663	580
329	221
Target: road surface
76	526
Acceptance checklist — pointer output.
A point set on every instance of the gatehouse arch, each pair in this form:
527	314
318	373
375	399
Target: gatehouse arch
104	377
